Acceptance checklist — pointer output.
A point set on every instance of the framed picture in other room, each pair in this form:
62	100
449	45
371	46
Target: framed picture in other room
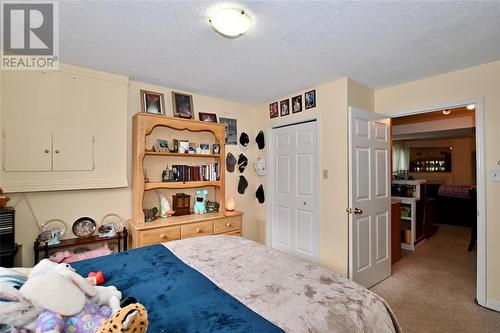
183	105
231	130
297	104
162	145
273	110
209	117
152	102
285	107
310	99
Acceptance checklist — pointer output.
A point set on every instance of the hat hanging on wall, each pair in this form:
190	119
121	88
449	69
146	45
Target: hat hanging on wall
260	140
260	167
244	140
260	194
230	162
242	185
242	162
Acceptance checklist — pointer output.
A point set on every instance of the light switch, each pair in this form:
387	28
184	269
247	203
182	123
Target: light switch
495	175
325	173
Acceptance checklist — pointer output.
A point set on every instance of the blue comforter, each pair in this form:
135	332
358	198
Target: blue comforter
177	297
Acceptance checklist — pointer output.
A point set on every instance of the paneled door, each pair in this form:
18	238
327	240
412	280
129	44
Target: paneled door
369	197
295	226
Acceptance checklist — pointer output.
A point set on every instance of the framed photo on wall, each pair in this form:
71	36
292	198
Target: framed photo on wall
210	117
297	104
152	102
285	107
231	130
310	99
182	105
273	110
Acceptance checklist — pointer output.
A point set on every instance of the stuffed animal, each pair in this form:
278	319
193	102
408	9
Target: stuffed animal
200	197
88	320
131	318
58	288
15	310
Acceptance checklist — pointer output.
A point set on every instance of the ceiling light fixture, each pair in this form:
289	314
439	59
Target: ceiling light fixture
230	22
446	112
471	107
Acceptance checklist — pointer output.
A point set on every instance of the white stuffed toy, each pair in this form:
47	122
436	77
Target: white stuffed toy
58	288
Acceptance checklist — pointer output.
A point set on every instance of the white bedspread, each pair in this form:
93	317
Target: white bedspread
291	293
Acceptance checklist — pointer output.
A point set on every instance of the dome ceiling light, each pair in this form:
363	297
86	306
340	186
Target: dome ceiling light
230	22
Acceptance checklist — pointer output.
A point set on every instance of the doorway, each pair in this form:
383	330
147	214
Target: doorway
294	188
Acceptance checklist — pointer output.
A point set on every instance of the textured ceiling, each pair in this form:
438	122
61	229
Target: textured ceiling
292	46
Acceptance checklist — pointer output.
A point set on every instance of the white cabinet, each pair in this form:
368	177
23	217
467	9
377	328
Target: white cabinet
78	115
28	150
72	151
43	150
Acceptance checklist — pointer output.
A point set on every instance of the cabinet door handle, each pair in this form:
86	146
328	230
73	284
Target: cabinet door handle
228	225
47	151
57	151
198	230
163	236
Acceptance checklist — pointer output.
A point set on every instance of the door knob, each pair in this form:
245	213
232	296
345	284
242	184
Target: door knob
358	211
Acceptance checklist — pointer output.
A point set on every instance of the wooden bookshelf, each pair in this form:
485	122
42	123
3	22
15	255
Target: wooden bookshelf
156	153
176	227
180	185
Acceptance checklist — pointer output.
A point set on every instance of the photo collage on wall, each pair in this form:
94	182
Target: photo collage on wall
284	107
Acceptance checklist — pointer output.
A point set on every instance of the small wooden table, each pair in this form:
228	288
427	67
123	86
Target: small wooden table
120	237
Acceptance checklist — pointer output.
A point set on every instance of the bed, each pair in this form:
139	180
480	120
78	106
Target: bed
229	284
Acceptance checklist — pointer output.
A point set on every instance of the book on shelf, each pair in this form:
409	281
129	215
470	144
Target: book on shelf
195	173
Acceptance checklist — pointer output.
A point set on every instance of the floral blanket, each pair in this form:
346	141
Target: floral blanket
295	295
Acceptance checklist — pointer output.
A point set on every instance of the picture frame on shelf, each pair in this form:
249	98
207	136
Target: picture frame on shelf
152	102
182	105
208	117
273	110
183	146
216	149
205	148
310	99
231	130
175	146
297	104
285	107
162	145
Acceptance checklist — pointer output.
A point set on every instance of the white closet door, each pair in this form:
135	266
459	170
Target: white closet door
295	214
283	200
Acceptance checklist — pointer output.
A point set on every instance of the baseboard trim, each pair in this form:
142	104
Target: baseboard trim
493	305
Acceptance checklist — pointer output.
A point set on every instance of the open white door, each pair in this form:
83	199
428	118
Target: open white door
369	197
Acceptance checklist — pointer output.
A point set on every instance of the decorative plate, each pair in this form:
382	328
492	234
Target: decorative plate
84	227
57	225
113	219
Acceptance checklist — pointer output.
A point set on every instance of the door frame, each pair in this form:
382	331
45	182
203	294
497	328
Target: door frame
480	182
270	179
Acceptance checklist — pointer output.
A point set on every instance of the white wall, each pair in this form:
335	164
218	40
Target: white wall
33	209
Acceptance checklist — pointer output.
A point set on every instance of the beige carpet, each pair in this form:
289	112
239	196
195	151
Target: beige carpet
433	288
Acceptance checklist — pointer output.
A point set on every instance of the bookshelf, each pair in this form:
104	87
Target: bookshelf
146	128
